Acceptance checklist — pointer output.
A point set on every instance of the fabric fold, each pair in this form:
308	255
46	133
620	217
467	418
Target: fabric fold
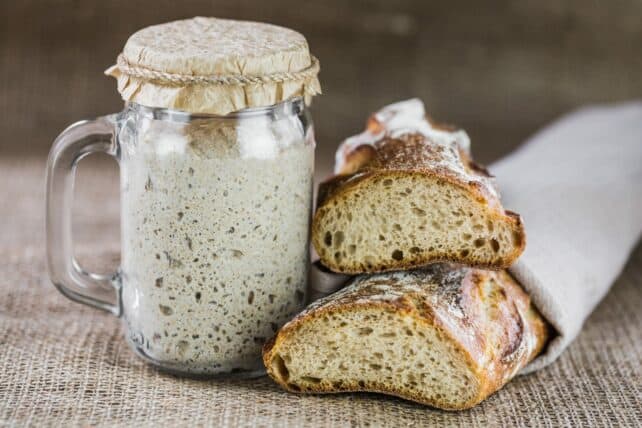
578	185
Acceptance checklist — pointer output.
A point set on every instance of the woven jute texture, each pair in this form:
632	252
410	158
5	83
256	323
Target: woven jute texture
62	364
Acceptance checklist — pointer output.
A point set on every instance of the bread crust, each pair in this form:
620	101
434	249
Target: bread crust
414	154
485	315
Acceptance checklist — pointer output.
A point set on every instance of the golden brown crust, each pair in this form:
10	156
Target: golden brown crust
485	315
356	158
414	152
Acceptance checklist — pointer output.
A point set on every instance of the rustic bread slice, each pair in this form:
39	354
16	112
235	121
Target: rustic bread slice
408	197
445	336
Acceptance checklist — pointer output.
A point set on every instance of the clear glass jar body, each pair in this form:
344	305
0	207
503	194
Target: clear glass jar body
215	233
215	216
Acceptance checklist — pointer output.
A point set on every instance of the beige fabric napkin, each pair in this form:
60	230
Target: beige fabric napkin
578	186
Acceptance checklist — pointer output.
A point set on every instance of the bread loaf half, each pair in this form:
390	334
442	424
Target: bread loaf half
407	194
444	336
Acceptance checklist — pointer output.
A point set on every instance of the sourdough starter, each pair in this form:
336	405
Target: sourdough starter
215	224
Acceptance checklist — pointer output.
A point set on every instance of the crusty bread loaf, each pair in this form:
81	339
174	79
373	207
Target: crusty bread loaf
408	194
445	336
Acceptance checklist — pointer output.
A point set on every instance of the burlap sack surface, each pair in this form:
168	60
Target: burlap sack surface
63	364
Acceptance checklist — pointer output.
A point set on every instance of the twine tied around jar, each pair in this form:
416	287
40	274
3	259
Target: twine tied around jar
215	79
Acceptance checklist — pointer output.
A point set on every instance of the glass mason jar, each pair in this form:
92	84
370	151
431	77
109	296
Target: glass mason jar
215	214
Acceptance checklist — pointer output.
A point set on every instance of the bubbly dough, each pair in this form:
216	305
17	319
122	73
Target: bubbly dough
215	240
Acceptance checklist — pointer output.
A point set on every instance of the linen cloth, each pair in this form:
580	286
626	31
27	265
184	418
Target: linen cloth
578	186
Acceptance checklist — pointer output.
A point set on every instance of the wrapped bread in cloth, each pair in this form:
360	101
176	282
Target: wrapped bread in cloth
407	194
444	335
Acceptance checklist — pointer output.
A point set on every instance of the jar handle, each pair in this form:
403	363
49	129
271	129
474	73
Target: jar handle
73	144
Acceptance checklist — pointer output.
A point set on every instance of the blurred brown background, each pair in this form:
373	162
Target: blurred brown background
501	69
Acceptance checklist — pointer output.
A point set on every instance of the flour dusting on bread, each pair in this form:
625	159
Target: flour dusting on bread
408	194
446	335
394	120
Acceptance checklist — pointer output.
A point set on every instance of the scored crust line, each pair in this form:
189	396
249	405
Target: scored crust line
216	79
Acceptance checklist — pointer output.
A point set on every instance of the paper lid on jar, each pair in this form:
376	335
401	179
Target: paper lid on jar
211	65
